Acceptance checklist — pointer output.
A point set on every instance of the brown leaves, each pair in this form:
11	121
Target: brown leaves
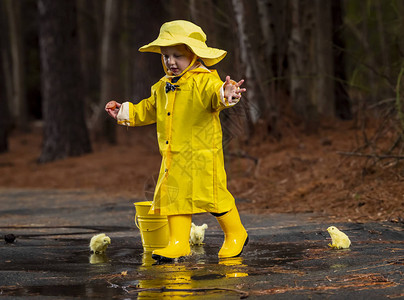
355	281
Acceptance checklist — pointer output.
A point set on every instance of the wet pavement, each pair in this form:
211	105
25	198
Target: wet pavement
287	257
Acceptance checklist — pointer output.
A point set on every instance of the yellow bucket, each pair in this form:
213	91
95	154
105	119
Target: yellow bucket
153	228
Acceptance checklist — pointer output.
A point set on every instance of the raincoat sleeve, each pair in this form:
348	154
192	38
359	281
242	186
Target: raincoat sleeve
143	113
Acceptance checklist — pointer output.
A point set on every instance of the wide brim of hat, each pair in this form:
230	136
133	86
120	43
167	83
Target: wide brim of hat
209	55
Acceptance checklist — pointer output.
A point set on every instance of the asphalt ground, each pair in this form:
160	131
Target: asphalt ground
287	256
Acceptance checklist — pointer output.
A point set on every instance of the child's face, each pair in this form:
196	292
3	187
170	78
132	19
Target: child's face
176	58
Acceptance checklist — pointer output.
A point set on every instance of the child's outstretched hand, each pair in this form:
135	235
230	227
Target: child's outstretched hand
112	108
232	90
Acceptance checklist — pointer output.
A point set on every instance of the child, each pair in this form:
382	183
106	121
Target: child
185	104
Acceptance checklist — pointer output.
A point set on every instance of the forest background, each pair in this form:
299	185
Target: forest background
319	130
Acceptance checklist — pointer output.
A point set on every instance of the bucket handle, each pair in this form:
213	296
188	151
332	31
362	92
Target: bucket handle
136	221
161	226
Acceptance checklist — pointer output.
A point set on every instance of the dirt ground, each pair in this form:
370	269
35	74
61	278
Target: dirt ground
299	173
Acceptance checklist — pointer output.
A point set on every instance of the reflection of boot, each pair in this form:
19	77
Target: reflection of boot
169	281
178	243
235	236
236	267
147	260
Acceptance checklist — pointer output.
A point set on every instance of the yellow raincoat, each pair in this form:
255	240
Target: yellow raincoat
192	177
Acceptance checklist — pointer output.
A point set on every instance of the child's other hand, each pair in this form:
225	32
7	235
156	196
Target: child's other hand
112	108
232	90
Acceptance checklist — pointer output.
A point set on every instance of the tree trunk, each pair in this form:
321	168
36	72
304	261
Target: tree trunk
342	100
111	87
177	9
146	68
281	16
65	132
203	14
18	103
128	8
4	112
246	64
400	12
5	82
193	9
300	59
88	15
264	7
6	70
268	17
110	66
4	124
370	58
325	101
382	38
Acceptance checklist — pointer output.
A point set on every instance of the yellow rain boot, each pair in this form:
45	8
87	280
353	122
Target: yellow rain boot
235	235
178	243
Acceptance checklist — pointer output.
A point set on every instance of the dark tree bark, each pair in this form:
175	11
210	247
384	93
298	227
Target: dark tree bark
111	87
88	14
4	111
4	87
301	62
146	68
65	132
18	101
324	87
3	122
342	100
203	14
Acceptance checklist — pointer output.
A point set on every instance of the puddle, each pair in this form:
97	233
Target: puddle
64	268
63	291
287	257
45	264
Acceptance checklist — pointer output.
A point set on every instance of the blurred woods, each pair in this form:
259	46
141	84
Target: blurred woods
303	61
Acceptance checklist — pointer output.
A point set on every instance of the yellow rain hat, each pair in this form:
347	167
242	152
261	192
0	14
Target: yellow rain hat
184	32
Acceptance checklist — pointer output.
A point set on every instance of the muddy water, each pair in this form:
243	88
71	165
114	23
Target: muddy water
57	266
293	263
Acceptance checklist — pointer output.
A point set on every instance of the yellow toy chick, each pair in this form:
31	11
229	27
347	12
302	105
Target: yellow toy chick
197	234
99	243
339	239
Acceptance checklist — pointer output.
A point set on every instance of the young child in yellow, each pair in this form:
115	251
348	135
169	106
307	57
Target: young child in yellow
186	104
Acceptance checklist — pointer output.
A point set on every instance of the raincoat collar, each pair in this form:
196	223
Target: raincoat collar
185	76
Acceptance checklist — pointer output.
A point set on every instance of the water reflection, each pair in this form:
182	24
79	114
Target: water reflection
197	250
167	279
177	280
147	260
98	258
237	268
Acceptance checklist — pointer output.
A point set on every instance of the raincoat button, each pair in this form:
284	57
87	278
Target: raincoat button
168	114
166	142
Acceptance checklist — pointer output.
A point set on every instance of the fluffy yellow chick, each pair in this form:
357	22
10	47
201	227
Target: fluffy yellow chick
99	243
197	234
339	239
